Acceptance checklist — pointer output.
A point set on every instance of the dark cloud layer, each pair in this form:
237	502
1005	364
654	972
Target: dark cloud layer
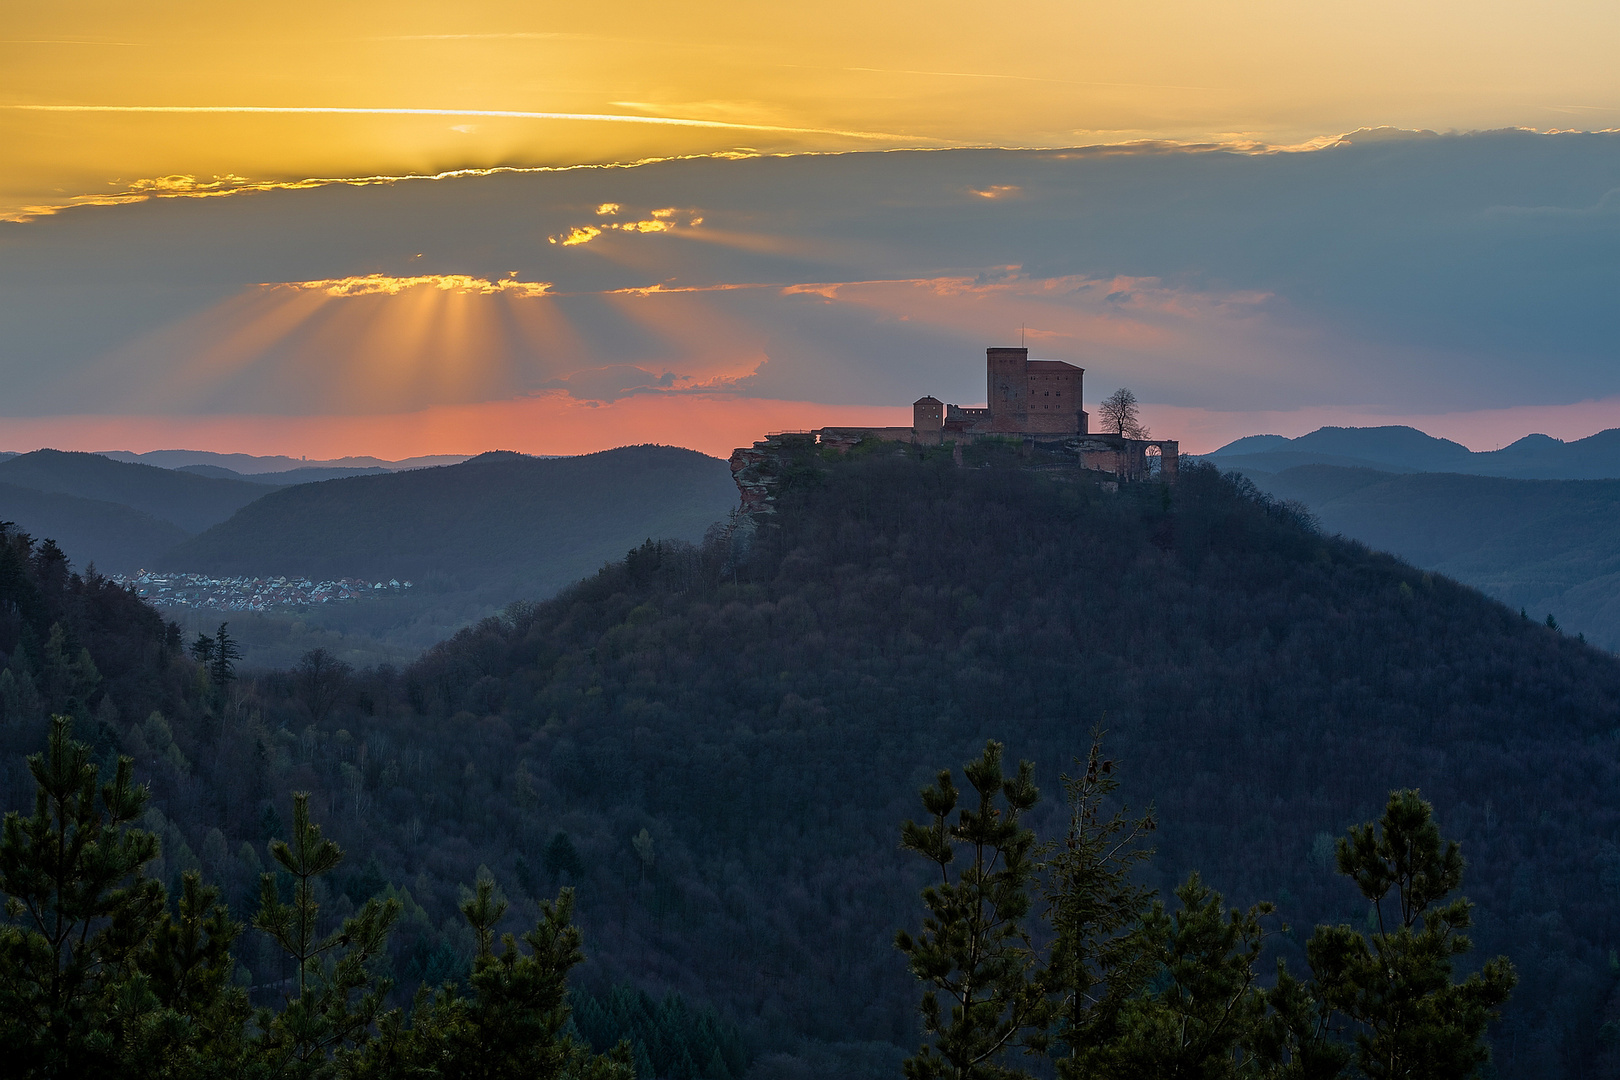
1455	272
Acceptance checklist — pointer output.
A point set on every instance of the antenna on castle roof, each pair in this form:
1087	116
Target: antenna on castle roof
1021	335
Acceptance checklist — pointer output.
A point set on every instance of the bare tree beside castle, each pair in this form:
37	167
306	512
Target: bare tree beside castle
1118	414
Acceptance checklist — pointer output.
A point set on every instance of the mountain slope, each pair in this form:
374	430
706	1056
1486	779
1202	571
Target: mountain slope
116	538
526	523
1544	545
1405	449
768	717
192	503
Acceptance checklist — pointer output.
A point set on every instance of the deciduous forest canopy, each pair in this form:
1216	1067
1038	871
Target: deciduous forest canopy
714	744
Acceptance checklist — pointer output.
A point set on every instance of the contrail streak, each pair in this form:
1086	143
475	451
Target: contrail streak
495	114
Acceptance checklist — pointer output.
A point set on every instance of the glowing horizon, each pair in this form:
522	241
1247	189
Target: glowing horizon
554	424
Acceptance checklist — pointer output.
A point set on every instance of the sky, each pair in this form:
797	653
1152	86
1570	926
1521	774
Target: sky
361	229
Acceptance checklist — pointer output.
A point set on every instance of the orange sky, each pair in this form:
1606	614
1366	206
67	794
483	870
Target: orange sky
555	424
550	423
104	102
359	89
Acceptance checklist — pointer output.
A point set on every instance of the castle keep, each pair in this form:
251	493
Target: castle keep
1037	401
1026	397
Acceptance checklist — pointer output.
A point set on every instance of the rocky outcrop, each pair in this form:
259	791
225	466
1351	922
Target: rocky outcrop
758	469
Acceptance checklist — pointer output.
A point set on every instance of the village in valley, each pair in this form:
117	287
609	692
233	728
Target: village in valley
205	593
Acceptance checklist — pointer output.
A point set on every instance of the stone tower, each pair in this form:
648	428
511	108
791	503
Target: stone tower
1007	373
928	419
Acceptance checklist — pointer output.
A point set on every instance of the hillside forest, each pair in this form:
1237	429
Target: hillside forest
1544	546
714	746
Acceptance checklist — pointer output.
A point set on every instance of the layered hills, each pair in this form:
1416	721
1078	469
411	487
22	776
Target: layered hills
1406	449
191	503
117	515
500	519
308	474
109	535
258	464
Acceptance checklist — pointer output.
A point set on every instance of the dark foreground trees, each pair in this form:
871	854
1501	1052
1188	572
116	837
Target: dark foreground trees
101	975
1116	984
974	953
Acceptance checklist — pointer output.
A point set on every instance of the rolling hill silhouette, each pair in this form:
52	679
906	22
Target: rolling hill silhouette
1406	449
192	503
114	537
501	520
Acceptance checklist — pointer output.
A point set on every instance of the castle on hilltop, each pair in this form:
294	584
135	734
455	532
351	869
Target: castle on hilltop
1026	397
1039	402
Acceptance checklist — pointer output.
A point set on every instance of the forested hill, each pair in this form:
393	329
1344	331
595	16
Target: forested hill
769	718
533	524
109	535
717	744
191	503
1548	546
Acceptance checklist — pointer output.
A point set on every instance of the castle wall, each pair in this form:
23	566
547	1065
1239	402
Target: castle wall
1055	390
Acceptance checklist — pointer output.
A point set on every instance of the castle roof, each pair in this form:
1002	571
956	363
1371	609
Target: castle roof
1052	366
928	398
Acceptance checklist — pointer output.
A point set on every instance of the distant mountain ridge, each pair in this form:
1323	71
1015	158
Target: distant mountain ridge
306	475
253	464
1406	449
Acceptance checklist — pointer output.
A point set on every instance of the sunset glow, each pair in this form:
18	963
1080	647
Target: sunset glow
551	423
350	213
374	284
99	95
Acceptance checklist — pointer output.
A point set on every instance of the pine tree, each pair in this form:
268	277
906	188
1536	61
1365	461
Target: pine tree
974	949
337	998
562	857
1204	1016
96	975
1411	1019
1096	959
513	1026
1300	1038
223	657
